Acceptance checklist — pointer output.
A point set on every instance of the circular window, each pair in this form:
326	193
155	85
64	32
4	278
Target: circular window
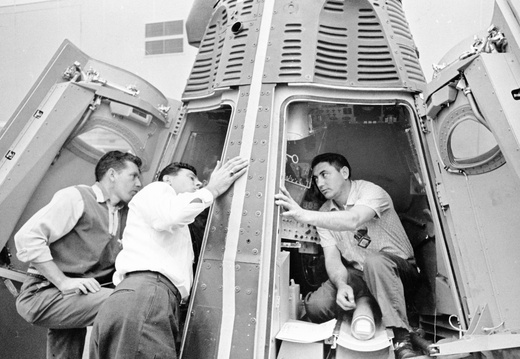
100	136
105	140
468	145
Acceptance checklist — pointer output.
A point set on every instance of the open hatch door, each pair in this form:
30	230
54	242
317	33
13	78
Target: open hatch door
78	109
473	134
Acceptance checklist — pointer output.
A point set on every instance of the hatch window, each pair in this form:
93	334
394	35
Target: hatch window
202	140
466	144
104	140
472	147
471	139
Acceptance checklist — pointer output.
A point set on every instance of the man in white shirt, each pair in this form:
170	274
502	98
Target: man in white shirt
365	246
154	270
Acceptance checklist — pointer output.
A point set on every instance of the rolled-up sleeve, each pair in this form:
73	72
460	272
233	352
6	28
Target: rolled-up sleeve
374	197
48	225
327	239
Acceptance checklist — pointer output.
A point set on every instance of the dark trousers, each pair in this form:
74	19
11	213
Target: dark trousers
387	278
139	320
41	303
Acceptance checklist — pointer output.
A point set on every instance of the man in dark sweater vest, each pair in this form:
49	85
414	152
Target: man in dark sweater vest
71	245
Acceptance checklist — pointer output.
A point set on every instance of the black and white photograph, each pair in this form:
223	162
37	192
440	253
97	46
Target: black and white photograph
260	179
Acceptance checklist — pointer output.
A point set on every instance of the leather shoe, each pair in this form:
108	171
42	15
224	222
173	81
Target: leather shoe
404	349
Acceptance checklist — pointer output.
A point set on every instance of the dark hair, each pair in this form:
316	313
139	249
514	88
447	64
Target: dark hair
334	159
174	167
116	160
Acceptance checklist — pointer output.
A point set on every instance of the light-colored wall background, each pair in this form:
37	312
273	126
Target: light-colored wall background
113	31
438	25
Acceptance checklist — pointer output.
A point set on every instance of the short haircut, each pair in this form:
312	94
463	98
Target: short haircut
334	159
174	167
116	160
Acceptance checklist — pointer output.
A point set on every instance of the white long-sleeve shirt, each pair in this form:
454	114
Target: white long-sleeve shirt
157	237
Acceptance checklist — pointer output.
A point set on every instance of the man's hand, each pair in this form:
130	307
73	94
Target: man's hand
292	209
345	297
224	175
66	285
79	285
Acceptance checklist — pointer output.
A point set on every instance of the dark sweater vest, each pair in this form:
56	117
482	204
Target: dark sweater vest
88	250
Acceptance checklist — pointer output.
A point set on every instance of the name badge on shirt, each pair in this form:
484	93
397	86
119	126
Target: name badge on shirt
362	237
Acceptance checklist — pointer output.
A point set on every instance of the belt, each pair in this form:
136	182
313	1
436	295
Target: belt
158	277
33	273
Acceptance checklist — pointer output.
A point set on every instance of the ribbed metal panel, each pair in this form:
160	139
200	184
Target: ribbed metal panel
398	19
291	62
202	77
334	6
202	69
239	49
226	53
247	8
375	63
231	5
411	62
235	61
331	53
351	43
404	40
330	65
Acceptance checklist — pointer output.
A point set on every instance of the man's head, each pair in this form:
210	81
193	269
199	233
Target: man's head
182	177
119	173
331	173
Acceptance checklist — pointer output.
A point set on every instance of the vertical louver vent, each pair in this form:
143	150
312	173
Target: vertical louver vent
218	56
375	62
334	6
368	25
405	40
231	5
247	8
398	20
201	74
223	19
291	62
411	62
236	58
331	52
207	61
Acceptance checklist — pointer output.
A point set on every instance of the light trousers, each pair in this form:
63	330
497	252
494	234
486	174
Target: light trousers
388	279
67	317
